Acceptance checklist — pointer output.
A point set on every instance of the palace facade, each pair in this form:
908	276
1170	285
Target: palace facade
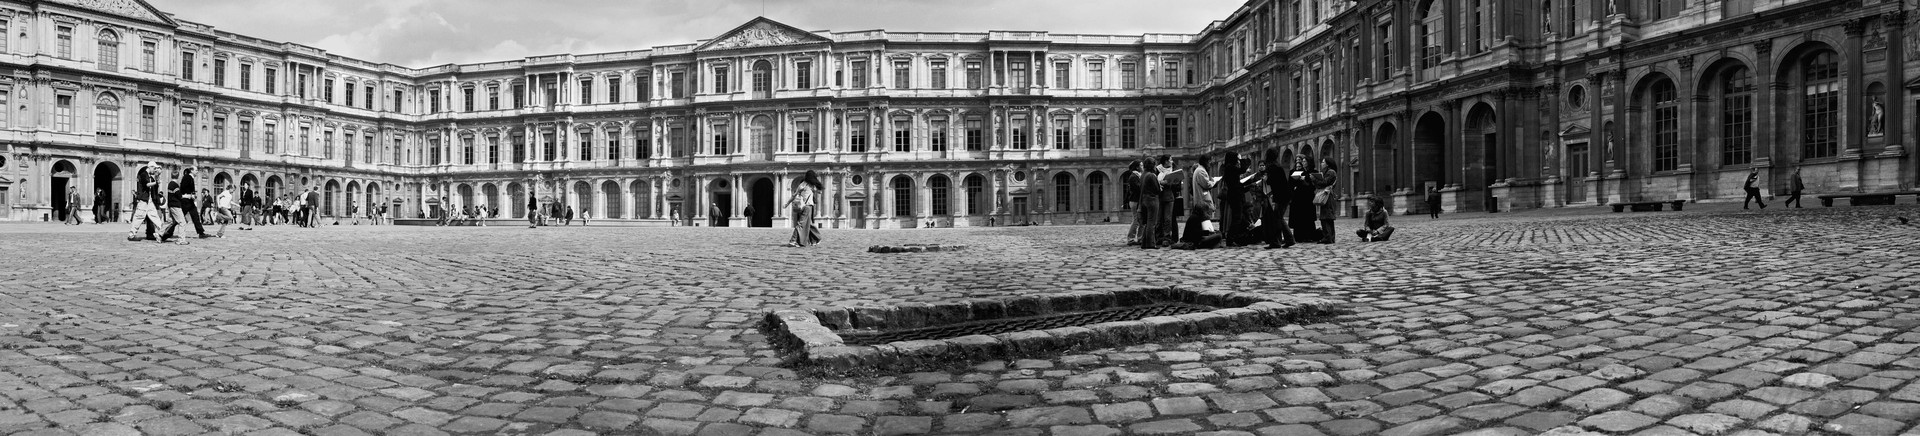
1496	104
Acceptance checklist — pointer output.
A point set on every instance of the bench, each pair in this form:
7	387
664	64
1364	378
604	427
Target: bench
1645	206
1865	198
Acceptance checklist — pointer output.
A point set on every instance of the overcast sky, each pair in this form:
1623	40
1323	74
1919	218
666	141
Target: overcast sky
422	33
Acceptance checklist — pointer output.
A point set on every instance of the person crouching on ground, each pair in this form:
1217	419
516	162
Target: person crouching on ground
1376	229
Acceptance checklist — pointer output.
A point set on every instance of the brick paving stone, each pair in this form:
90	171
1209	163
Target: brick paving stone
970	422
835	424
902	425
1862	425
1164	427
1351	427
1705	423
1123	412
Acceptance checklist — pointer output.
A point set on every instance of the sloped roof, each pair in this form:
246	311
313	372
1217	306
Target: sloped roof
761	32
127	8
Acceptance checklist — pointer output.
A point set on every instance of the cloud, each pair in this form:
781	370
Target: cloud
422	33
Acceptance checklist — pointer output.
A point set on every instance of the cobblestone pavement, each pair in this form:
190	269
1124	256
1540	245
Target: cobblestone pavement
1709	321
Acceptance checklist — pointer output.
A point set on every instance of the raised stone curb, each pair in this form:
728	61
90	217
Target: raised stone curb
915	248
811	335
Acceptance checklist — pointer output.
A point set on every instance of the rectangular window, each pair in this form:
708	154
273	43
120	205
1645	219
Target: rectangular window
149	121
246	136
106	121
1129	134
1096	75
219	69
720	80
1296	108
1383	56
5	26
643	144
1062	135
549	150
467	99
5	96
1020	132
519	95
366	144
326	144
1021	78
1129	76
937	136
902	136
803	137
586	91
973	75
677	141
938	77
300	85
433	101
613	89
63	42
1319	100
803	74
399	146
220	132
678	83
346	145
857	73
466	150
147	54
858	132
493	149
273	78
63	113
433	152
306	141
186	128
1060	76
722	141
1172	132
369	95
902	76
1172	78
326	90
613	145
976	134
1096	134
272	138
398	98
1666	135
586	146
246	77
1820	110
348	94
643	88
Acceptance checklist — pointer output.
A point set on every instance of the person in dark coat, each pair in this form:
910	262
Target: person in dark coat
1233	201
1130	200
1150	193
188	205
1280	196
1753	190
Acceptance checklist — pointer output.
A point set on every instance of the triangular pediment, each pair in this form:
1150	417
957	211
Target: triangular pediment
761	32
136	9
1575	130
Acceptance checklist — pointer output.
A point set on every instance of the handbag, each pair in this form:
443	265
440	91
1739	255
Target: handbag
1323	196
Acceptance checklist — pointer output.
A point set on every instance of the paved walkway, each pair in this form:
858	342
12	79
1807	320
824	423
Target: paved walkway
1709	321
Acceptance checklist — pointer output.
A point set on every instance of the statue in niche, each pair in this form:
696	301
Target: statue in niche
1877	121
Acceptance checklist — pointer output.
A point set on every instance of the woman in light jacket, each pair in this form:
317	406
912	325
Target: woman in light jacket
1323	180
802	206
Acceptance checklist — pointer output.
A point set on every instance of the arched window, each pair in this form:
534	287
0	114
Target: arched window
1820	108
1432	31
1063	192
1666	126
1736	117
976	187
109	47
762	78
902	196
106	116
1097	191
938	185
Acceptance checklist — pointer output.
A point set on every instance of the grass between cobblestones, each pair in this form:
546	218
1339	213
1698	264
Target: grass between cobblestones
1570	321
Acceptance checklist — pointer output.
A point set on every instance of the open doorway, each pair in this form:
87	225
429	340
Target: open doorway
762	201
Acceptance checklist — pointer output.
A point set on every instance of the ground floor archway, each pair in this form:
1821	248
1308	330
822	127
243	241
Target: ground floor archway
762	198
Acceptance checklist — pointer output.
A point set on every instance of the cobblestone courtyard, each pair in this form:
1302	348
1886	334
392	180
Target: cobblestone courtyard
1709	321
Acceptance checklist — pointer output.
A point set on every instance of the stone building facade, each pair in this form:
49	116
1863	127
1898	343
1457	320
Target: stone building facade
1494	103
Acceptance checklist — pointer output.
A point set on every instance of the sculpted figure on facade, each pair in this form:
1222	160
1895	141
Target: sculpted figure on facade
1877	122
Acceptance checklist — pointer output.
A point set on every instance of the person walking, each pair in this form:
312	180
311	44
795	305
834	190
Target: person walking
1753	190
188	202
1279	193
533	210
1794	188
713	215
1150	194
71	214
1323	200
313	207
102	207
1130	200
223	211
147	201
802	205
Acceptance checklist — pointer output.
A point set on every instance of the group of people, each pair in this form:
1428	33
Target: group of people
1794	188
163	201
553	214
802	205
1273	203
